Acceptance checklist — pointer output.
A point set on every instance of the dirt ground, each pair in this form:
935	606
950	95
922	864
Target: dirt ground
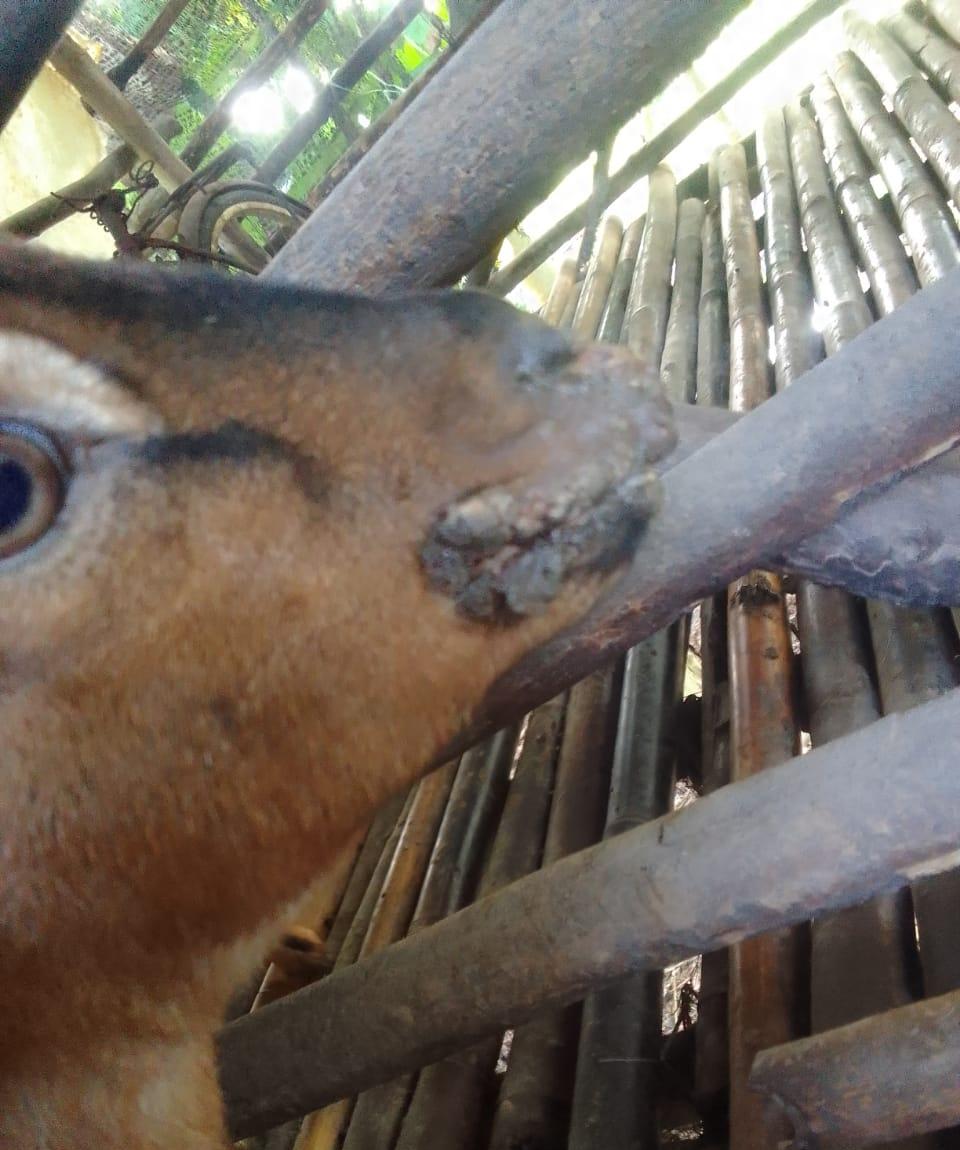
50	141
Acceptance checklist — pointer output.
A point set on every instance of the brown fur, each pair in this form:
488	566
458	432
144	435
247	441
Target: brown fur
225	655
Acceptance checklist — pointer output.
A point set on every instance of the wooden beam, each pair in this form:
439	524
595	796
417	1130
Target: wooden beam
863	814
892	1075
523	101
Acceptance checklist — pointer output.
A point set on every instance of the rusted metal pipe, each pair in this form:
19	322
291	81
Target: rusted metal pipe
888	1076
865	814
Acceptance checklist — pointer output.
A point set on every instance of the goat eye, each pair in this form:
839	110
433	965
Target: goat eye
33	483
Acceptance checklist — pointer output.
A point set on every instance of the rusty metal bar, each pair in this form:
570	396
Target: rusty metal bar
892	1075
867	813
29	31
515	127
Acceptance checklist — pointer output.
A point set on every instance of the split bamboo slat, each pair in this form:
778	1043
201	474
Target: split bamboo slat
766	997
859	960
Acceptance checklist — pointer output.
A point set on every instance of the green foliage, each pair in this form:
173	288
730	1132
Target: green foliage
216	40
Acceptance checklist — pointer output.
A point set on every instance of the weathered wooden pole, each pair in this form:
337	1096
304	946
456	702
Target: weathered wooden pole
938	57
864	814
337	88
259	71
484	143
892	1075
123	72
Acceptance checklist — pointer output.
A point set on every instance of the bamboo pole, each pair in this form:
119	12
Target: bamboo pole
391	915
37	217
932	52
914	657
600	273
338	87
563	287
877	241
614	1099
75	65
475	805
648	308
764	1003
918	107
616	306
836	283
29	31
678	366
297	28
533	1107
924	216
858	960
711	1057
948	13
864	814
450	1095
123	72
788	279
655	151
713	333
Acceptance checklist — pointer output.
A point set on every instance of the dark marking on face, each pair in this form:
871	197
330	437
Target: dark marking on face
239	443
